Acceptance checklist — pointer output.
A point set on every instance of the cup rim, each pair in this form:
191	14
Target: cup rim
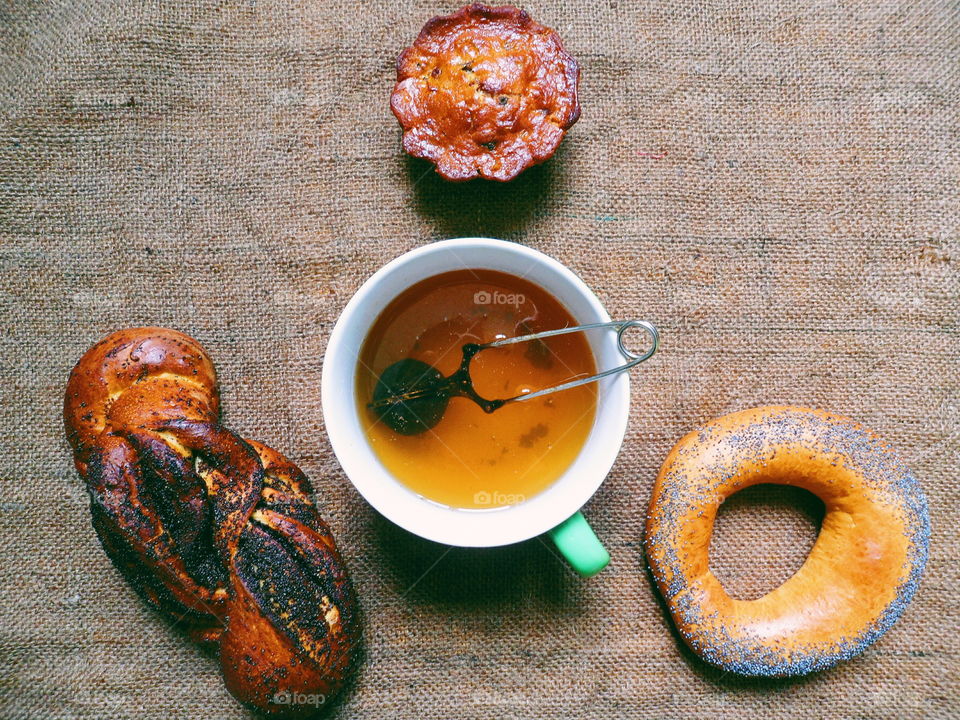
422	516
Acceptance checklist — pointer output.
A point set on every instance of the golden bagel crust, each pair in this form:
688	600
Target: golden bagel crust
217	532
485	91
861	572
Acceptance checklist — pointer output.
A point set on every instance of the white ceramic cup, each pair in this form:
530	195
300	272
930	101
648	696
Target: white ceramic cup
555	509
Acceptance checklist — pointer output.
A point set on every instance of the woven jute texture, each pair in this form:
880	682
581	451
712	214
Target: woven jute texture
775	184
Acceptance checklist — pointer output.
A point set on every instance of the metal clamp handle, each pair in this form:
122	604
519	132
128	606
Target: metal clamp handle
621	326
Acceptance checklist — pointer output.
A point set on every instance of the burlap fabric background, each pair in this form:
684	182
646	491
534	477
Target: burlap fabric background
776	185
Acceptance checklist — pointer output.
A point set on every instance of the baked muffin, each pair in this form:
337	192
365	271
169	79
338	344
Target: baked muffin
485	92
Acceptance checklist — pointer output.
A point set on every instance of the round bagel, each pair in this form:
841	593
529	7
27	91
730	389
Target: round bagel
860	574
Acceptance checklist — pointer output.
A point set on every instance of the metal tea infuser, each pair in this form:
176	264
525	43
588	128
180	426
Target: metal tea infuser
411	396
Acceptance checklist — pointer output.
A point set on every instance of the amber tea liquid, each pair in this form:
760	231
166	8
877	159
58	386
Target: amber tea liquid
472	459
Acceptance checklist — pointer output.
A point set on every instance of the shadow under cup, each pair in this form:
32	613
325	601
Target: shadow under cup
554	510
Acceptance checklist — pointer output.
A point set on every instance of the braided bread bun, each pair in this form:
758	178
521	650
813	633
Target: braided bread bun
217	532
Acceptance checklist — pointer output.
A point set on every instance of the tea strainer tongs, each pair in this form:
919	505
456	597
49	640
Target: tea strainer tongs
411	396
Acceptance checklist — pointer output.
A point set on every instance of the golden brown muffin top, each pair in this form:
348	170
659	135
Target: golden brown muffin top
485	92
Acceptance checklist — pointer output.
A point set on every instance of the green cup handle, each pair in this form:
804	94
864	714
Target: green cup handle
577	542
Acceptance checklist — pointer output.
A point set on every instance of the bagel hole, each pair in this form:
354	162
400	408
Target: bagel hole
762	536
